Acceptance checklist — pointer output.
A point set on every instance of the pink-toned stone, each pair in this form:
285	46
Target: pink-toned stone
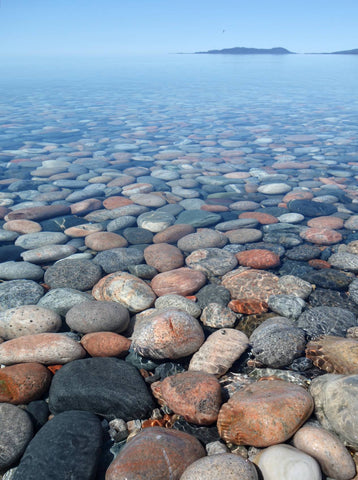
38	213
4	211
173	233
327	222
214	208
83	230
297	195
194	395
115	202
135	188
149	199
260	259
121	181
248	306
263	218
85	206
182	281
22	226
105	241
156	453
163	257
321	236
105	344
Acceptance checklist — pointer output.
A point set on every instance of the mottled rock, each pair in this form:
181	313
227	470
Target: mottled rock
334	354
178	302
321	236
244	235
182	281
48	253
28	320
105	241
211	261
20	270
118	259
326	321
60	300
345	261
204	238
31	241
173	233
77	274
223	466
163	257
215	315
258	258
23	382
88	316
19	292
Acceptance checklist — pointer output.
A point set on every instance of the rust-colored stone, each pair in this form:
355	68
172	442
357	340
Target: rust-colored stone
115	202
334	354
182	281
23	383
248	307
173	233
260	259
263	218
105	344
163	257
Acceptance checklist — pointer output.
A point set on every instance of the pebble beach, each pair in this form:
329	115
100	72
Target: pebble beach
178	282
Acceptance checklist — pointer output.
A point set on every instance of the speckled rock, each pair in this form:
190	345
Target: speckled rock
211	261
194	395
16	432
219	351
261	217
325	447
105	241
60	300
286	462
303	252
258	258
108	387
20	270
334	354
292	285
173	233
105	344
169	333
223	466
30	241
48	253
19	292
155	221
28	320
277	342
46	348
204	238
264	413
182	281
88	316
69	444
330	279
213	293
137	235
330	222
326	321
215	315
321	236
23	382
178	302
244	235
118	259
345	261
78	274
154	452
286	305
309	208
336	403
163	257
126	289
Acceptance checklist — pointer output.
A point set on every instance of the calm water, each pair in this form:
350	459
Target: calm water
181	95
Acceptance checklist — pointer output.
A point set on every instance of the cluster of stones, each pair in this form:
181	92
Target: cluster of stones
199	317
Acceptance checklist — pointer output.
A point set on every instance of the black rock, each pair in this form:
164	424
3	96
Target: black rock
10	252
70	273
309	208
303	252
322	297
213	294
330	278
204	434
59	224
117	259
66	447
298	269
137	235
326	321
108	387
38	412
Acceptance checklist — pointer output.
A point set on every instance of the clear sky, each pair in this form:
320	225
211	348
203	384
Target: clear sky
127	27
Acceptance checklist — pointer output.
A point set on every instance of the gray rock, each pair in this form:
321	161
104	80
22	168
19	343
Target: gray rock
212	261
326	321
198	218
100	316
223	466
345	261
78	274
30	241
121	222
155	221
19	292
20	270
205	238
216	315
60	300
117	259
178	302
286	305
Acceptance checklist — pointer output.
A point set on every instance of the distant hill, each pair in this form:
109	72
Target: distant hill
347	52
249	51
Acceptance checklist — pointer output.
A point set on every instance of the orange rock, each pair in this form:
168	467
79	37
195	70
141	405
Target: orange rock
332	223
85	206
263	218
115	202
23	383
265	413
248	307
182	281
155	453
101	241
83	230
38	213
318	263
163	257
321	236
54	368
194	395
260	259
173	233
105	344
300	195
214	208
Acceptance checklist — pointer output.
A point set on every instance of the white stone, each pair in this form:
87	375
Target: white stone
274	188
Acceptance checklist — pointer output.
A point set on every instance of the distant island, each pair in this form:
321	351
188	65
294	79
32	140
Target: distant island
269	51
249	51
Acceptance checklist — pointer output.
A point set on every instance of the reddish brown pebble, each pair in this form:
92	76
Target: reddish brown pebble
115	202
85	206
334	354
83	230
327	222
303	195
263	218
264	413
163	257
101	241
156	453
318	263
105	344
194	395
259	259
173	233
182	281
22	226
38	213
321	236
248	307
214	208
23	383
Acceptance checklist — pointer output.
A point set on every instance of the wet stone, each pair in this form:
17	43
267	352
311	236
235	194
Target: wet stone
211	261
173	233
137	235
309	208
326	321
10	252
121	223
205	238
14	293
244	235
60	300
295	268
331	279
322	297
218	316
98	316
117	259
286	305
303	252
146	272
163	257
213	294
155	221
20	270
345	261
178	302
78	274
198	218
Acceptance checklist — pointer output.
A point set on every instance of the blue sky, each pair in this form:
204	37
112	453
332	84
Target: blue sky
130	27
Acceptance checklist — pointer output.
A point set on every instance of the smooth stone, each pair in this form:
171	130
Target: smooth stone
287	463
156	454
173	233
181	281
163	257
274	188
291	218
219	351
258	258
222	466
16	432
109	387
117	259
46	348
14	293
244	205
28	320
303	252
121	222
105	344
190	203
332	298
83	230
213	294
137	235
244	235
169	333
336	403
148	200
318	321
204	238
261	217
264	413
321	236
198	218
85	206
78	274
309	208
178	302
48	253
10	252
235	224
215	315
146	272
194	395
31	241
6	236
126	289
277	342
104	241
330	222
20	270
351	223
330	279
23	382
211	261
325	447
345	261
291	285
60	300
69	444
38	213
286	305
155	221
22	226
334	354
87	317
